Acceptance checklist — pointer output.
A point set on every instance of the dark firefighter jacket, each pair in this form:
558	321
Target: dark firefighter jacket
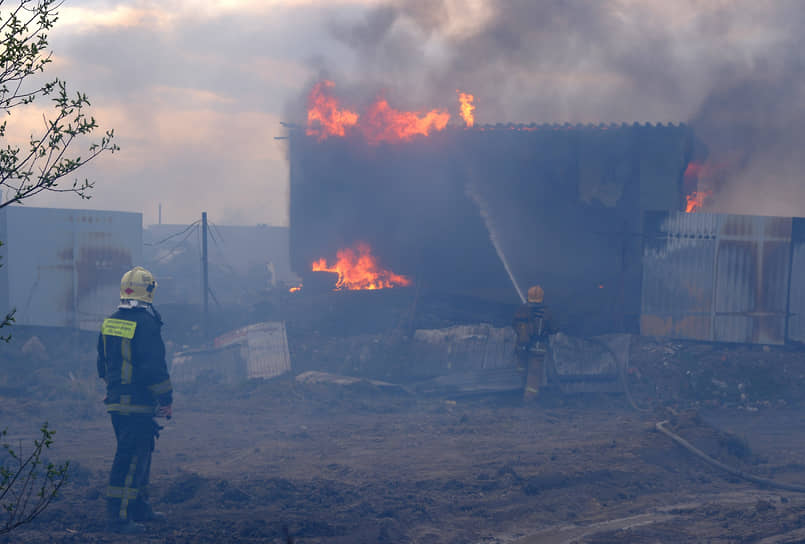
531	324
131	359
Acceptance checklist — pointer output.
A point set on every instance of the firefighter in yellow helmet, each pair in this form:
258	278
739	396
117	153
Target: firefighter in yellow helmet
131	360
532	328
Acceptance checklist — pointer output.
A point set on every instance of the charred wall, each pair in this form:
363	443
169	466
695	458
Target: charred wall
563	202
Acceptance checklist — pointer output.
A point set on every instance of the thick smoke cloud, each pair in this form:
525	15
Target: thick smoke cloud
732	69
753	121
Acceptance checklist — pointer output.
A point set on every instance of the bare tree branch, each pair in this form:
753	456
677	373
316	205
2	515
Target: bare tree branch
49	156
28	483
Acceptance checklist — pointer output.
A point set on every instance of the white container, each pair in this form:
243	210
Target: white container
62	267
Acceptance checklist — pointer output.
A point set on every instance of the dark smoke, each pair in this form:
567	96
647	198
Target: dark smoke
753	122
733	69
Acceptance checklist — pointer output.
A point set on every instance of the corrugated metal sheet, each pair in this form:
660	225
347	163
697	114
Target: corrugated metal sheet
465	347
63	267
255	351
716	277
211	366
264	347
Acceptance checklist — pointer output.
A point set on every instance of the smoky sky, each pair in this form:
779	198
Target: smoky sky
731	69
196	90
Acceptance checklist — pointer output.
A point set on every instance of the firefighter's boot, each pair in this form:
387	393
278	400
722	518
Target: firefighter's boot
144	512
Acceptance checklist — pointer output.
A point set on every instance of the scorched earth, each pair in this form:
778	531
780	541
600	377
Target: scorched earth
279	461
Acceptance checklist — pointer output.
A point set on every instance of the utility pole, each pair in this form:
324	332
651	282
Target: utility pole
204	286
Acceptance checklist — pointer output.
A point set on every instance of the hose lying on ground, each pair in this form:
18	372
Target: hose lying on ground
660	426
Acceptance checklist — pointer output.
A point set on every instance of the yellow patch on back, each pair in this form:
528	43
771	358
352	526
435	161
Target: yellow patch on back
119	327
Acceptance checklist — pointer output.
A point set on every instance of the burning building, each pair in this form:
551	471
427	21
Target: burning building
486	210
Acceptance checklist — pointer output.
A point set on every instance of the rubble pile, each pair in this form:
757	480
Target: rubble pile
741	376
373	335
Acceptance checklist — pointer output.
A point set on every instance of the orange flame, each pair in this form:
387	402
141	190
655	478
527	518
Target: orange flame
324	118
382	123
358	269
467	107
295	289
695	200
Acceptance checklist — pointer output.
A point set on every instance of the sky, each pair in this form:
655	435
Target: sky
196	89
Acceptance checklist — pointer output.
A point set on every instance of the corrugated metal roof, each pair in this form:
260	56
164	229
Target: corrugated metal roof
293	128
716	277
526	127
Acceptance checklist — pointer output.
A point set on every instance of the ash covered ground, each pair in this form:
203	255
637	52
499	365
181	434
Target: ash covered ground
279	461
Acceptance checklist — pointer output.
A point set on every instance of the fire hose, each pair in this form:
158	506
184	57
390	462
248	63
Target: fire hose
661	427
765	482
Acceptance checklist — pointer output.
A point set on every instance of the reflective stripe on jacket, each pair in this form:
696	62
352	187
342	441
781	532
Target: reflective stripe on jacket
131	359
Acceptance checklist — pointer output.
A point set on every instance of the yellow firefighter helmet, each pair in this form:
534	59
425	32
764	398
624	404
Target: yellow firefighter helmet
138	284
535	294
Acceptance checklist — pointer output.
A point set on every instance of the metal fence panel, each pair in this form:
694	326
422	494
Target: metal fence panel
752	279
796	296
716	277
679	275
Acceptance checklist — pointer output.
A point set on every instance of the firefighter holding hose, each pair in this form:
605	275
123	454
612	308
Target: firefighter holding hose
532	328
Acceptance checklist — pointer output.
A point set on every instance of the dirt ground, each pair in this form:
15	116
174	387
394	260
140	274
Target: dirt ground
278	461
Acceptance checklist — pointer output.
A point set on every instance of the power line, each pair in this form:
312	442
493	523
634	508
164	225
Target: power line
219	234
173	250
190	226
209	289
212	233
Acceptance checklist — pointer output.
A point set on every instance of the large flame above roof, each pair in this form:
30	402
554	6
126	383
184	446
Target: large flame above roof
324	116
467	107
379	123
